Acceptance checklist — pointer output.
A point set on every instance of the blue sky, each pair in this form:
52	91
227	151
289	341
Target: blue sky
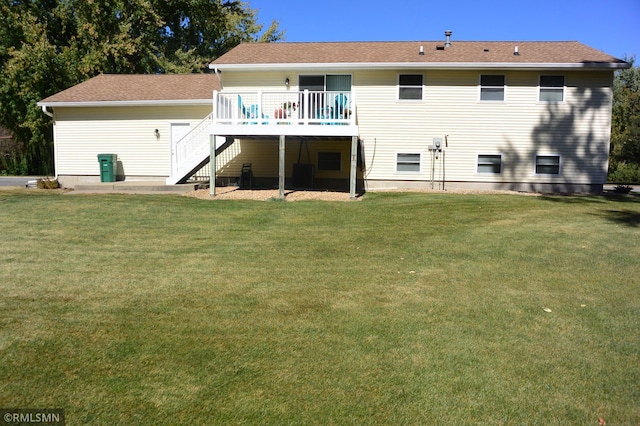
612	26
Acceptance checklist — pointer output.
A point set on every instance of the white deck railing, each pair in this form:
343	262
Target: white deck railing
189	151
284	107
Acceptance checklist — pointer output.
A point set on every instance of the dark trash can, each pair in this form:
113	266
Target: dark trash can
246	176
108	164
302	176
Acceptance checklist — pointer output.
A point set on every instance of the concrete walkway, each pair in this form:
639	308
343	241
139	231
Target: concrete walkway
125	187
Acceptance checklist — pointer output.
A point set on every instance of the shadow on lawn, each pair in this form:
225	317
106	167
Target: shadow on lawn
592	199
622	217
574	199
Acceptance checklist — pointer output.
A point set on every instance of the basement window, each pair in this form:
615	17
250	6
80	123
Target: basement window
408	162
329	161
492	87
490	163
551	88
410	86
547	164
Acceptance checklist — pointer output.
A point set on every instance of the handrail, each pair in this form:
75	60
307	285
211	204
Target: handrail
280	107
191	146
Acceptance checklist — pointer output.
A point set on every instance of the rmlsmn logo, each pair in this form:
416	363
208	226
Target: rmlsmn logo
25	416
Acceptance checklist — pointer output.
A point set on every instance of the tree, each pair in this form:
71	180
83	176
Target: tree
625	126
49	45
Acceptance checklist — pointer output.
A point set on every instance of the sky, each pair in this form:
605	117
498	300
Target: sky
612	26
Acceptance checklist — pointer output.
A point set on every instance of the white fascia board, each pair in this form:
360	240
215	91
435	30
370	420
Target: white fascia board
195	102
419	65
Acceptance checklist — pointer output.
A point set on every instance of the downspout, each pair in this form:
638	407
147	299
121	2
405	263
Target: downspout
217	73
55	156
47	113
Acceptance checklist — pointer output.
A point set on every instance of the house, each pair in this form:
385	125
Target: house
529	116
135	117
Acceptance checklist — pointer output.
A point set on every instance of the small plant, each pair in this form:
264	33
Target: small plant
622	189
46	183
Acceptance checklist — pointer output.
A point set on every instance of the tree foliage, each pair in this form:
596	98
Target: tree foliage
625	128
49	45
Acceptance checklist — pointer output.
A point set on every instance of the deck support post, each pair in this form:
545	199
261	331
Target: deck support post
212	165
354	165
281	168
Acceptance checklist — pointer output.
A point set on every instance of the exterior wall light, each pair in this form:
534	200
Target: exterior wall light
286	82
157	133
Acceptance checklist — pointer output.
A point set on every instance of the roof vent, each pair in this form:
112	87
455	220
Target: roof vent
421	50
447	41
516	52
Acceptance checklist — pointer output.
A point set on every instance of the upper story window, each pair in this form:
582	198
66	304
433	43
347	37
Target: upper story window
492	87
410	86
551	88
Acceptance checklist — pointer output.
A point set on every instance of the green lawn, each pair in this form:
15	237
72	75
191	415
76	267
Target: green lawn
397	309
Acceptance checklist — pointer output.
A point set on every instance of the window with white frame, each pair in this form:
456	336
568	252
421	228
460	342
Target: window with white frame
410	86
408	162
490	163
329	161
551	88
547	164
492	87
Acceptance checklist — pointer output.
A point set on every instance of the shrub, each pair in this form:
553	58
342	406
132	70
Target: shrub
46	183
622	189
625	173
13	165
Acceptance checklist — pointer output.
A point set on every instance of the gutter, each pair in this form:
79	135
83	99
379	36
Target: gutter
422	65
44	105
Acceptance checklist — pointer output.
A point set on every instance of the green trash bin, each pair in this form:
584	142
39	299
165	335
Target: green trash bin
108	165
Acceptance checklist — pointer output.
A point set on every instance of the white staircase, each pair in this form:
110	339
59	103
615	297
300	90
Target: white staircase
191	152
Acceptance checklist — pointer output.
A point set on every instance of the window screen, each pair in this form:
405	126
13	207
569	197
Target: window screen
492	87
489	163
551	88
410	86
407	162
548	164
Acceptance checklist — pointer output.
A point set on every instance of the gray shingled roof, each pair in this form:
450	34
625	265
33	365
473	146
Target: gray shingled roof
139	88
474	52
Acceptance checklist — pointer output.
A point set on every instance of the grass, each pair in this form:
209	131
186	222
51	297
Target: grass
398	309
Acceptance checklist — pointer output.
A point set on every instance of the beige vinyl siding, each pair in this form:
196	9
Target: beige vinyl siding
263	155
129	132
251	81
519	127
271	81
